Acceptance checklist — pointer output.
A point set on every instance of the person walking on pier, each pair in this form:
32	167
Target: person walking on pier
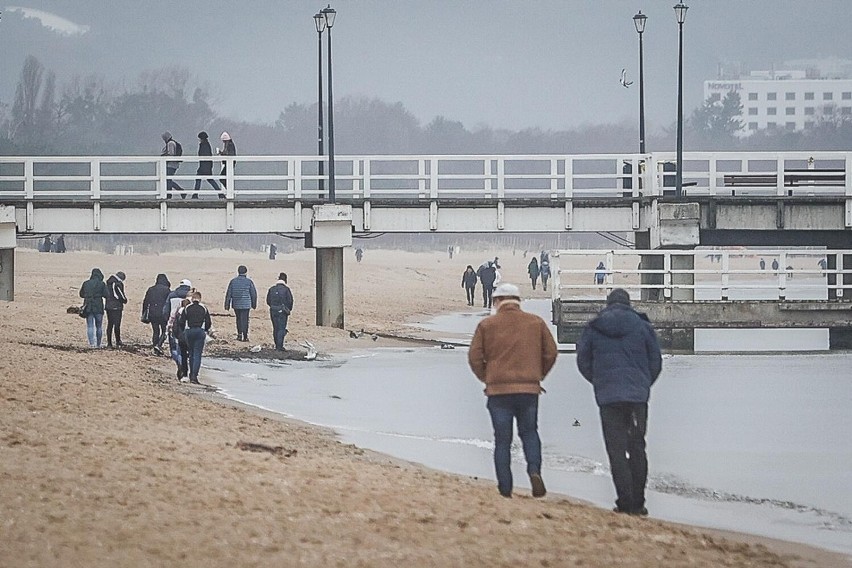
115	307
195	323
279	298
228	149
600	274
468	282
172	148
533	271
511	352
775	264
205	167
544	272
94	292
619	354
154	311
242	295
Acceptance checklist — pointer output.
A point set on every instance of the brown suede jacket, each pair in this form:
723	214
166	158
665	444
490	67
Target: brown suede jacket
512	351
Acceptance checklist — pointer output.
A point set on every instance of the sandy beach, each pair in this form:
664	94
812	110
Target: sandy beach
106	460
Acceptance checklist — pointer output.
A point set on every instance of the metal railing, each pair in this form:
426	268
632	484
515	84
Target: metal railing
707	274
473	178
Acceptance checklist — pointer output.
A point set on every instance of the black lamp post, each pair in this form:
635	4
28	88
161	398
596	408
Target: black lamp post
639	22
319	20
680	11
329	14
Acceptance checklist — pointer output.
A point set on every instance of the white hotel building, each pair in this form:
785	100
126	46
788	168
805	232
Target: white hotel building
785	99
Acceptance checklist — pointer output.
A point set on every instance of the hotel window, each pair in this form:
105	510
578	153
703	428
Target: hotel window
752	126
790	125
752	96
771	96
790	111
809	111
790	96
828	96
828	109
771	111
752	111
809	96
771	125
847	96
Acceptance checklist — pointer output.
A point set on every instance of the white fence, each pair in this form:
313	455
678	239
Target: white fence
709	274
471	178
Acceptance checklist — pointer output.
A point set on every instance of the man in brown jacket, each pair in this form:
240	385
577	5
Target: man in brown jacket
511	352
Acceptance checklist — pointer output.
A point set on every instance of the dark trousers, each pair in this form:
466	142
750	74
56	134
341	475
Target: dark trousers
534	280
180	355
242	323
487	290
505	409
544	283
470	290
170	183
195	346
211	181
158	333
279	327
624	426
114	326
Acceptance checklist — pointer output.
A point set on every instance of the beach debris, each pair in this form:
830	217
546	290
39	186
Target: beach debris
73	310
258	447
255	349
447	346
312	351
576	422
374	337
353	335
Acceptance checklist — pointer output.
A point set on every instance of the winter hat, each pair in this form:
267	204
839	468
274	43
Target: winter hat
618	296
241	269
185	282
167	136
225	136
506	291
202	135
120	275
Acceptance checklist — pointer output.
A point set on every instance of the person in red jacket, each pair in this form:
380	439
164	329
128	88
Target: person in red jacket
511	352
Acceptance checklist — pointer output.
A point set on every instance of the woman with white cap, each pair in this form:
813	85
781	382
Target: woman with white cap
228	149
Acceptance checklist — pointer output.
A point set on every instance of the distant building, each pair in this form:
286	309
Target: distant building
791	100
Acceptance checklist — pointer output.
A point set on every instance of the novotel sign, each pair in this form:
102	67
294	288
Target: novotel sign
724	86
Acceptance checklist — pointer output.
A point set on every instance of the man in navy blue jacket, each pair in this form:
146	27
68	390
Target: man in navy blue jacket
619	354
242	295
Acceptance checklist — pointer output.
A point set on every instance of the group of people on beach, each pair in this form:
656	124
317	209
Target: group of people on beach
178	316
174	149
618	352
488	274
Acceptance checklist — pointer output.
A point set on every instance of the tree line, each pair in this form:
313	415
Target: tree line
88	116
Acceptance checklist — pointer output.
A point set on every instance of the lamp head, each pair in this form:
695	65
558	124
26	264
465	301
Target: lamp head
319	20
639	21
680	11
329	14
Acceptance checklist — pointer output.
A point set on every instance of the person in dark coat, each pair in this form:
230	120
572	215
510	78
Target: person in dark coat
177	345
279	298
115	301
359	254
154	311
487	276
194	322
619	354
544	272
468	282
533	271
228	149
273	251
242	295
600	273
205	167
94	291
60	244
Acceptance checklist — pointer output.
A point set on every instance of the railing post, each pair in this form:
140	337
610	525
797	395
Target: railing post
726	266
779	168
554	175
366	181
161	178
421	177
229	178
29	182
95	173
847	177
501	178
433	178
713	176
782	276
297	177
667	274
488	186
555	280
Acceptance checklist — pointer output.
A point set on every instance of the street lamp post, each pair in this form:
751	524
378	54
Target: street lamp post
329	14
639	21
680	11
319	20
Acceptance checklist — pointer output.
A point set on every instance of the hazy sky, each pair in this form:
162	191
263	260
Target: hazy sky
512	64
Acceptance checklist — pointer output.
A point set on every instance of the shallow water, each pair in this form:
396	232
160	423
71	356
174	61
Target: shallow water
752	443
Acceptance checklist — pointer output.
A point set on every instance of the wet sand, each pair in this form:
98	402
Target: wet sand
106	460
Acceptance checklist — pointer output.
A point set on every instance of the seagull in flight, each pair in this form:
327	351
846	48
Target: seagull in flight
624	82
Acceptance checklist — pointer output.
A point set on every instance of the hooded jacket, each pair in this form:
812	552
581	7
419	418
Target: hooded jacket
170	149
156	299
280	296
115	293
619	354
205	167
469	278
173	301
93	291
512	351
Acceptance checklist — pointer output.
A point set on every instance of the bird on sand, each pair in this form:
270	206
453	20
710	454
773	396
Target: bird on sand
312	351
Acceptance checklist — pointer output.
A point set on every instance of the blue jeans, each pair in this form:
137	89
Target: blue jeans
279	327
94	329
195	345
505	409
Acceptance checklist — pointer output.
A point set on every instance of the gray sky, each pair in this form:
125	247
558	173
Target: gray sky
512	64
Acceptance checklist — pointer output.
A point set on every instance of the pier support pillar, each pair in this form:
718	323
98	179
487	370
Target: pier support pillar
331	231
8	240
649	262
683	263
844	278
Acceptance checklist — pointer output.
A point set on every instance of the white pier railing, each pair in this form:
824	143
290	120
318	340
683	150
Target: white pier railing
430	177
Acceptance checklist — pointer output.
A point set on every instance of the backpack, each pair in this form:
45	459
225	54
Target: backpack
178	148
